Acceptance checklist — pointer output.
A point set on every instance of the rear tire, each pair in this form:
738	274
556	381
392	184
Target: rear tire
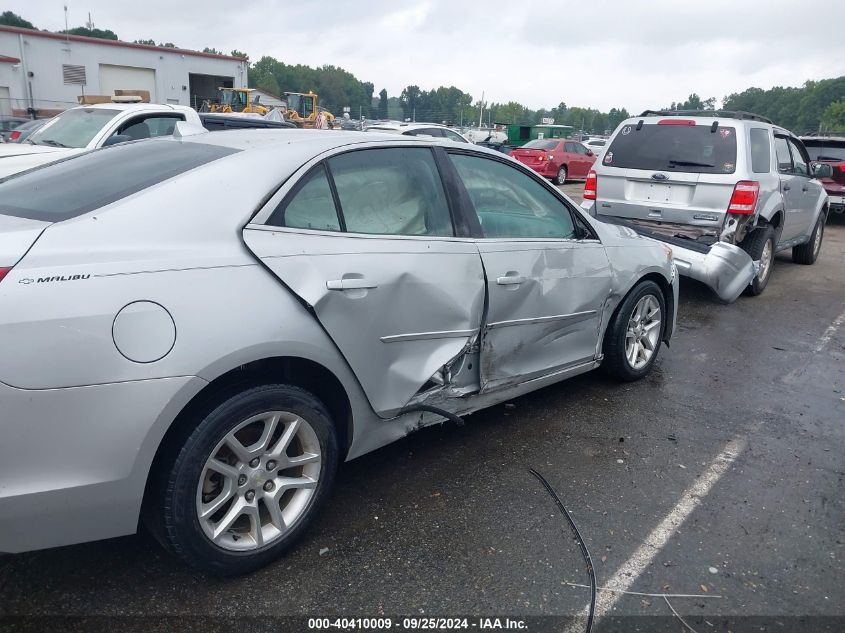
760	246
808	253
560	179
215	468
634	335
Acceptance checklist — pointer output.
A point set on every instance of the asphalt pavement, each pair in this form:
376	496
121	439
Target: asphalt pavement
721	474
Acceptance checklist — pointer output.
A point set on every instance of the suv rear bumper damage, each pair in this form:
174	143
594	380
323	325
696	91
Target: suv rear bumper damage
724	268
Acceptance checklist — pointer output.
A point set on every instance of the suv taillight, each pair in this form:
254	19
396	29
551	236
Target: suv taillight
744	198
4	272
15	135
591	186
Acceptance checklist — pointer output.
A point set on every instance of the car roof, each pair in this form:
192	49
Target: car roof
123	107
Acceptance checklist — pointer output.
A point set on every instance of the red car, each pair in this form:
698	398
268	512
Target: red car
558	159
830	150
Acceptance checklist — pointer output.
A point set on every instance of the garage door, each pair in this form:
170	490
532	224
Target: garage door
127	78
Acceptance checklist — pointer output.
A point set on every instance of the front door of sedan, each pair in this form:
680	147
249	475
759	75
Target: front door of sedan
366	239
548	278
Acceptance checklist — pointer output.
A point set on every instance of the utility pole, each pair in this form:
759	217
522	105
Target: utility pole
67	35
481	111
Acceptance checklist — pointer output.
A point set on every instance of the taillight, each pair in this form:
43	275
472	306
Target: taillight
591	186
15	135
676	122
841	167
4	272
744	198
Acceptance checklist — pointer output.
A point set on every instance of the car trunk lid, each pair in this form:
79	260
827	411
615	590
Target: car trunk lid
530	156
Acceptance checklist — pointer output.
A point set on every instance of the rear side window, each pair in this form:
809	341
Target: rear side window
309	206
685	148
784	157
510	204
77	185
761	155
391	191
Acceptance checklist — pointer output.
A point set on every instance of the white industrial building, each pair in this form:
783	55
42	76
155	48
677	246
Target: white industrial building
47	72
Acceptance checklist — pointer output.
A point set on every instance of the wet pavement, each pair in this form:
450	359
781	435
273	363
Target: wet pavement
727	463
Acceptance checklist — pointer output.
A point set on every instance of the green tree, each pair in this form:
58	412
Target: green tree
410	100
147	42
212	51
833	117
237	53
383	112
13	19
100	33
269	84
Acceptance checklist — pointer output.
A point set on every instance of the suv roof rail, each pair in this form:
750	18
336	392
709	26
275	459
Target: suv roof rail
728	114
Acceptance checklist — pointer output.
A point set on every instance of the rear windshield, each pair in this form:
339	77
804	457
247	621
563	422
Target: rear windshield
540	144
821	149
687	148
77	185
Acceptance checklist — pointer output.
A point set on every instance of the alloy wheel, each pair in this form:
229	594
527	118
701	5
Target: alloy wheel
817	242
643	335
258	481
766	261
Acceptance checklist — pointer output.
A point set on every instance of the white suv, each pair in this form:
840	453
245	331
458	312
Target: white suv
727	189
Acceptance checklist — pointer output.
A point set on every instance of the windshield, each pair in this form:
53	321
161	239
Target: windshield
73	128
77	185
698	149
825	150
540	144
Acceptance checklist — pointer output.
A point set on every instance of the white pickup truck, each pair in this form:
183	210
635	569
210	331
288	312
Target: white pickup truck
89	127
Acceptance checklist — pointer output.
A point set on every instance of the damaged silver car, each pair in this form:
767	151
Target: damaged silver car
727	190
205	326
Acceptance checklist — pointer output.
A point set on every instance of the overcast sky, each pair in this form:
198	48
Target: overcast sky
602	53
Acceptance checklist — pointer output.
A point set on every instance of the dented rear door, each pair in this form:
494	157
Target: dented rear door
397	293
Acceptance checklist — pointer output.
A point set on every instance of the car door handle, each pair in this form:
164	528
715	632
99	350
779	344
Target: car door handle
786	187
510	280
350	284
805	189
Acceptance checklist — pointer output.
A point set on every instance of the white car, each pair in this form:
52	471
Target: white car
89	127
419	129
597	145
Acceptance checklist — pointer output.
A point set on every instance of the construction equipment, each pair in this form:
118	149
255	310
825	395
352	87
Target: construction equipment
303	111
235	100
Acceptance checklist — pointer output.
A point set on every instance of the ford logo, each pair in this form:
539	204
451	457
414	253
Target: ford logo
659	176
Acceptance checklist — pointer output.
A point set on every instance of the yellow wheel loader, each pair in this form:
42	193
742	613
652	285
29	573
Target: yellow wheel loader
235	100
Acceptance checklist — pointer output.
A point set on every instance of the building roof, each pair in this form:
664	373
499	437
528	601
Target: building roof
104	42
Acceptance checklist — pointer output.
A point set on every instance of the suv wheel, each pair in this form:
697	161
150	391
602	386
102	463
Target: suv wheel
248	481
808	253
760	246
633	337
560	179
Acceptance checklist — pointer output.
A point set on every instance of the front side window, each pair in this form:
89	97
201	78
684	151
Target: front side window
74	128
149	127
429	131
761	156
309	205
799	162
391	191
511	204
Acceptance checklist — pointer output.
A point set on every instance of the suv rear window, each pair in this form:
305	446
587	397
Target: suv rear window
686	148
825	149
77	185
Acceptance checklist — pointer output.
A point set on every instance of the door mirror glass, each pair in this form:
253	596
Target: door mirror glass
822	170
589	152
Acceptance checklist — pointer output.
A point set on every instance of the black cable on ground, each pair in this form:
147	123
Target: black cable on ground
586	554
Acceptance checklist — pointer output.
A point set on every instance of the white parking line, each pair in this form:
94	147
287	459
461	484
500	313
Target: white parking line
829	333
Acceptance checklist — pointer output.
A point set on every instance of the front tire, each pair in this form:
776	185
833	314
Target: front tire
560	179
808	253
634	335
760	246
248	481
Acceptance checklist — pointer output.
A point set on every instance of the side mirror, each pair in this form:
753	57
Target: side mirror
114	139
822	170
590	152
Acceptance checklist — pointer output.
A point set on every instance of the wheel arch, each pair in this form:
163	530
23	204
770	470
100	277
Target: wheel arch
668	299
292	370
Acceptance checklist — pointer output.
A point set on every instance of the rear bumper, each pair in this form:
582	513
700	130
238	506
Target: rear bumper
724	268
74	462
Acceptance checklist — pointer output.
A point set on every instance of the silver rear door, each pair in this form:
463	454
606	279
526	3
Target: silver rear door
398	306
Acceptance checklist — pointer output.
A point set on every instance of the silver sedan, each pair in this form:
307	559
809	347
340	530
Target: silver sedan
197	330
